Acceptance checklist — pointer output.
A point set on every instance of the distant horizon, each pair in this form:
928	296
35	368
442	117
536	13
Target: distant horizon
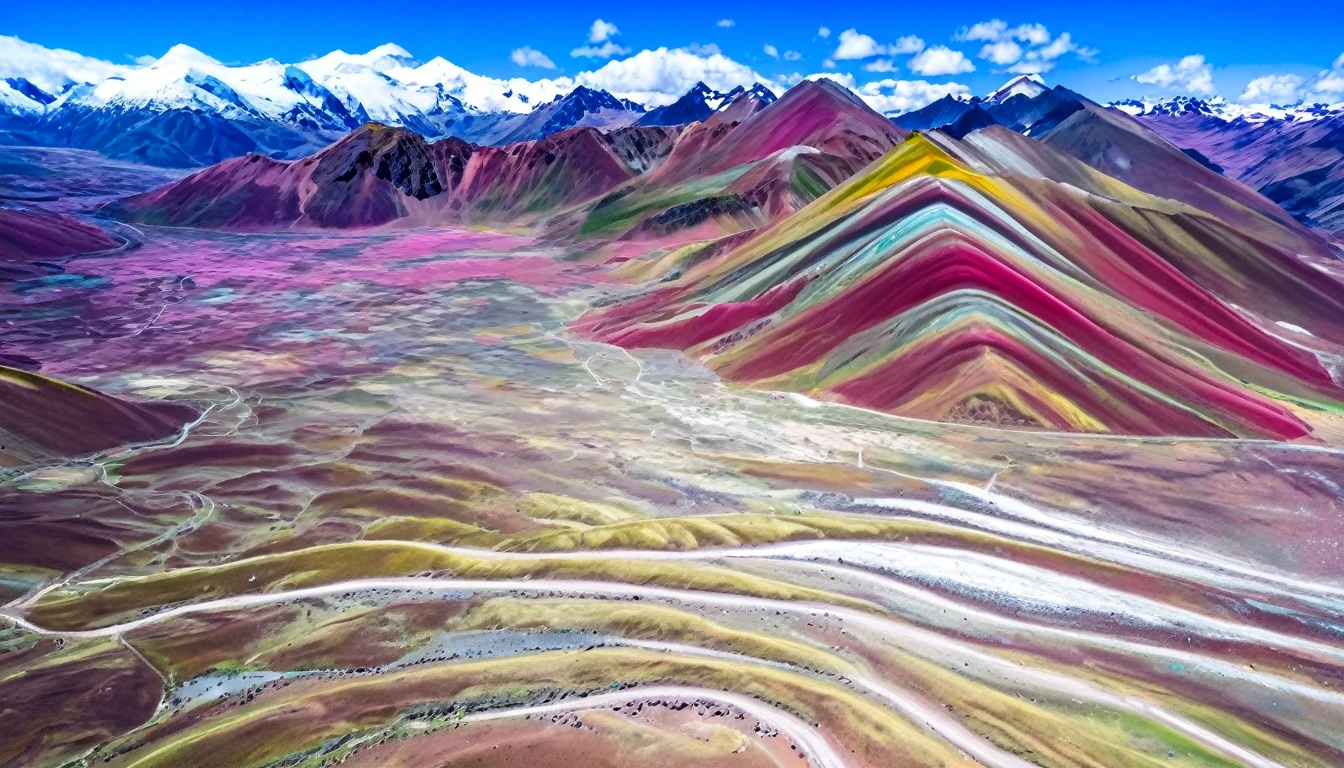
922	54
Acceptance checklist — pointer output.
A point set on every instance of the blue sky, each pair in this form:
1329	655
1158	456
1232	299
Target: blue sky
1238	40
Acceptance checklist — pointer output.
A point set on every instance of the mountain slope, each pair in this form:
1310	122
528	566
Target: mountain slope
379	175
366	179
582	106
944	111
32	234
815	113
1122	148
748	164
1297	163
41	417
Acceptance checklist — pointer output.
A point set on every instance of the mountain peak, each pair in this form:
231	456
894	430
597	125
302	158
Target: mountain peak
698	103
26	87
824	85
184	54
389	51
761	93
1031	85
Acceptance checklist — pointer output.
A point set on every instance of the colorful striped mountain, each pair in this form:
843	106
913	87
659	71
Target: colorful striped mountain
952	280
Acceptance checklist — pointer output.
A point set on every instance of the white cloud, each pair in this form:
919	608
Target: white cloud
828	64
1190	75
527	56
792	55
1035	34
880	65
604	51
989	31
1062	45
771	51
712	49
843	78
1001	52
856	45
995	30
53	68
940	60
651	77
661	76
824	32
1329	85
1027	46
1273	89
894	96
1037	60
601	30
725	23
907	44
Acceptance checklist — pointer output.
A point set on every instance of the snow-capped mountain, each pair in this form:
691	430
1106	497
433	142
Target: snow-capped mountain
1225	110
186	108
29	90
1024	104
1290	154
16	102
1030	86
582	106
702	101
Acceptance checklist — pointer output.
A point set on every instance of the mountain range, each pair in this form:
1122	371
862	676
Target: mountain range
749	160
1290	155
1294	156
188	110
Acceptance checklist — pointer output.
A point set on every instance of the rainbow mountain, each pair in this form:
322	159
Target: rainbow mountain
953	280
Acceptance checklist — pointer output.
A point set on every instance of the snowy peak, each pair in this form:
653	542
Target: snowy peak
581	106
1175	107
701	101
1184	106
582	102
762	94
15	102
1030	86
591	100
185	55
32	92
389	55
389	50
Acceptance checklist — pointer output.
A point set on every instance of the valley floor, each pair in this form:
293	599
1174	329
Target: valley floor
421	523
